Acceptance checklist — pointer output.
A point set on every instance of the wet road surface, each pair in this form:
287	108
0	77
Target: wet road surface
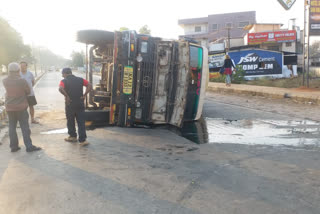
238	125
128	170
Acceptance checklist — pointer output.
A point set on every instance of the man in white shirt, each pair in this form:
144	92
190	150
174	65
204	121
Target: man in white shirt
28	76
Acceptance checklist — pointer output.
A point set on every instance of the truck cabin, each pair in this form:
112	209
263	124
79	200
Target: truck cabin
143	79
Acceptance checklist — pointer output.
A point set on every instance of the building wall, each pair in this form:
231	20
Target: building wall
291	48
204	42
280	46
190	29
217	47
234	21
236	42
264	28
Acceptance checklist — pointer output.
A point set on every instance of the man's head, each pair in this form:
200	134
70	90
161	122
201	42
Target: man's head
66	72
13	68
23	66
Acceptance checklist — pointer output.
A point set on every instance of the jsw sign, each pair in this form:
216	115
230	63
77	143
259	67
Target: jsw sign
258	62
248	58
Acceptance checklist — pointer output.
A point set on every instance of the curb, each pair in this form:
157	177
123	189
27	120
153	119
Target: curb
279	95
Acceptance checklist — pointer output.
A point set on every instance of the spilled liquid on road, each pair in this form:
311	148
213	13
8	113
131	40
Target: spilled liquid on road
253	132
57	131
297	133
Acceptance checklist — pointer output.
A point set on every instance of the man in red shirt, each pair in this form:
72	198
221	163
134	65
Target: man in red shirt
17	90
72	88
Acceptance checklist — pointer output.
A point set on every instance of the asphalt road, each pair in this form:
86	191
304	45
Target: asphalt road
127	170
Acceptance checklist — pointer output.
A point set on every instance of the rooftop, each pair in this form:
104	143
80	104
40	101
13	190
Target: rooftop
202	20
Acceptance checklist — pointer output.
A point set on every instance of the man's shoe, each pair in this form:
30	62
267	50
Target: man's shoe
33	148
71	139
84	143
15	149
35	122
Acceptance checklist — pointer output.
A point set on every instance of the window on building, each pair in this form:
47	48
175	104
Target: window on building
273	48
288	44
228	25
243	24
214	26
197	29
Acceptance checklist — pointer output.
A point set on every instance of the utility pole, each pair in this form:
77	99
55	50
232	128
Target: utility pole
308	58
308	45
228	29
87	72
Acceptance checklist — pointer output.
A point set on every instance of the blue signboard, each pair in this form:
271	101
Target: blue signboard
258	62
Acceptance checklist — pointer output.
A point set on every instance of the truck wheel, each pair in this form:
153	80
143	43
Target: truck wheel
95	37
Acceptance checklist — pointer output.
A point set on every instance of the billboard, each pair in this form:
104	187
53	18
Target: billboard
216	47
258	62
276	36
314	18
216	60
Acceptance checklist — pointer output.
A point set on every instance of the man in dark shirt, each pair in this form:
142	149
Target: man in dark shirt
17	90
72	88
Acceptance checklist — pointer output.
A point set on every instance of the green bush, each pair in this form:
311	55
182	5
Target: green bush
221	78
294	82
238	77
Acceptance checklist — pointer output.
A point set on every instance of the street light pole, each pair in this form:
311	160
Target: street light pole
34	60
304	42
39	63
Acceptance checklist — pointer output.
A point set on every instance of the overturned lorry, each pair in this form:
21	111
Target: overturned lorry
144	80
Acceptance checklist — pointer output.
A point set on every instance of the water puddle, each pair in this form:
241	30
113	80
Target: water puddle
89	127
57	131
298	133
253	132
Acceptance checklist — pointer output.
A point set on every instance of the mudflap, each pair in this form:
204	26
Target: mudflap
97	117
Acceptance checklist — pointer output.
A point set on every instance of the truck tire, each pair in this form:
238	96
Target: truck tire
95	37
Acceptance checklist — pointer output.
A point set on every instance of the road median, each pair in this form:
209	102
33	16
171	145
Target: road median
301	95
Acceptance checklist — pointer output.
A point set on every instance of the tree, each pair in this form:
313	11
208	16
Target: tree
123	29
314	48
11	44
77	59
145	30
47	58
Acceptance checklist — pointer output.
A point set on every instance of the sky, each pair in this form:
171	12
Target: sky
53	24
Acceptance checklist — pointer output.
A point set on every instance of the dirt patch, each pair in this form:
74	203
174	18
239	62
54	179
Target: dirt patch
293	83
48	117
305	89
